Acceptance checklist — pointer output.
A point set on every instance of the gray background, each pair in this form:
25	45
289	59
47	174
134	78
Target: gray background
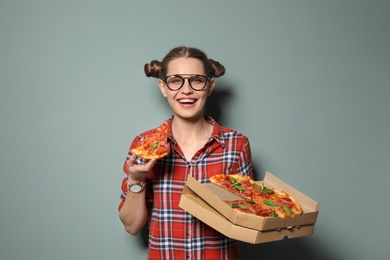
307	82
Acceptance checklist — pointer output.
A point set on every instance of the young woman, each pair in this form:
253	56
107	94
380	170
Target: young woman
198	146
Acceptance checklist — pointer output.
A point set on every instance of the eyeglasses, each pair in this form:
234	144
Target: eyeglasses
196	82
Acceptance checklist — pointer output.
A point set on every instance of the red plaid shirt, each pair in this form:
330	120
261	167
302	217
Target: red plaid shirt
174	233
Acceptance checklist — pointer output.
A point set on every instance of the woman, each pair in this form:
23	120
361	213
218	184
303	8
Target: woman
197	146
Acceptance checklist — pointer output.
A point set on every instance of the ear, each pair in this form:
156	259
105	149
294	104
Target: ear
163	90
211	87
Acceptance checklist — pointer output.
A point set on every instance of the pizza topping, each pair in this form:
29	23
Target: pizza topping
237	205
267	212
246	194
249	200
268	191
257	187
270	203
246	184
236	184
262	188
286	201
238	187
287	209
154	146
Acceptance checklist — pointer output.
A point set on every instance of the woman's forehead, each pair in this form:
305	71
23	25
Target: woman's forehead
184	65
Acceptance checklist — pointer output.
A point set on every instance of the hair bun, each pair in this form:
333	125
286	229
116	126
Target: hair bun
217	68
153	69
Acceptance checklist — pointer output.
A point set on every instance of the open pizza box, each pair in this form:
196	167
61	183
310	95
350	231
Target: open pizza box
206	202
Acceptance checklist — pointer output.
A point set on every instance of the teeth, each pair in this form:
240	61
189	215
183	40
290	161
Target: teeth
186	101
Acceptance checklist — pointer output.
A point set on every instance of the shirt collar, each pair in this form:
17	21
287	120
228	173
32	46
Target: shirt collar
217	133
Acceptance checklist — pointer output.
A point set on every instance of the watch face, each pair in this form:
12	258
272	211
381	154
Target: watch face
135	188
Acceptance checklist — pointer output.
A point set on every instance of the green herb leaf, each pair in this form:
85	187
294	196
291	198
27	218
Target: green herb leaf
250	200
237	205
274	215
287	209
154	145
257	187
233	180
270	203
268	191
237	185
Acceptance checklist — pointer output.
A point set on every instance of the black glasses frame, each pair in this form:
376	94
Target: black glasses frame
190	78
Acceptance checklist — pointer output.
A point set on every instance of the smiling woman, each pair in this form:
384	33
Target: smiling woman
198	146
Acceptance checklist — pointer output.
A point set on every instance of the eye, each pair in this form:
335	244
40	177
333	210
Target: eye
198	79
175	80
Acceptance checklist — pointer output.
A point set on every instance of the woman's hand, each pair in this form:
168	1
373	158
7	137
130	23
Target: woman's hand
133	213
138	172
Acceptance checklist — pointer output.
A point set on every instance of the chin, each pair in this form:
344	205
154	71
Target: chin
189	116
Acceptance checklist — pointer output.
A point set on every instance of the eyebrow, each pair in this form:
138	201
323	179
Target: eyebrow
177	74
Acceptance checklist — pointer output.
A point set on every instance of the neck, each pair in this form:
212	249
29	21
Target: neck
183	129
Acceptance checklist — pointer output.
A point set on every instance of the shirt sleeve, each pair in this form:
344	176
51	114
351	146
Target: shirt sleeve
245	166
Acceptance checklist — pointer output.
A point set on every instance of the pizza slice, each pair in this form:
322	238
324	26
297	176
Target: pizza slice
280	201
154	145
259	199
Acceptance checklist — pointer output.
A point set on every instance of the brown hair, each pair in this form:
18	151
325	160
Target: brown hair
158	69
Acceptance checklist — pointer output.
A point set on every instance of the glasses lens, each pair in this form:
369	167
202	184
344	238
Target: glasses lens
174	82
198	82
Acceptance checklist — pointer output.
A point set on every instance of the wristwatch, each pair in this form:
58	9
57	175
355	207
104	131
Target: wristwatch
136	187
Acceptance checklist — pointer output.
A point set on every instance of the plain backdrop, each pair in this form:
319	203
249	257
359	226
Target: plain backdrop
306	81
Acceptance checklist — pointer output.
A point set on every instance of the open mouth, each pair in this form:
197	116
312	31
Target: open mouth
186	101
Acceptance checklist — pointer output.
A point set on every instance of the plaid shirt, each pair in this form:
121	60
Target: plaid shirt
174	233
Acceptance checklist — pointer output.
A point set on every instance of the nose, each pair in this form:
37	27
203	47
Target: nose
186	86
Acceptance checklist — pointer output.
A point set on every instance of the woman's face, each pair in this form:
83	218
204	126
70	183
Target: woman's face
186	102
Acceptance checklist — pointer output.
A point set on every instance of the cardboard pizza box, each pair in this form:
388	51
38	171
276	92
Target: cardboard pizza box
200	209
206	202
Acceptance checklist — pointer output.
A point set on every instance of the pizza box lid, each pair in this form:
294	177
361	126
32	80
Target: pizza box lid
215	196
200	209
